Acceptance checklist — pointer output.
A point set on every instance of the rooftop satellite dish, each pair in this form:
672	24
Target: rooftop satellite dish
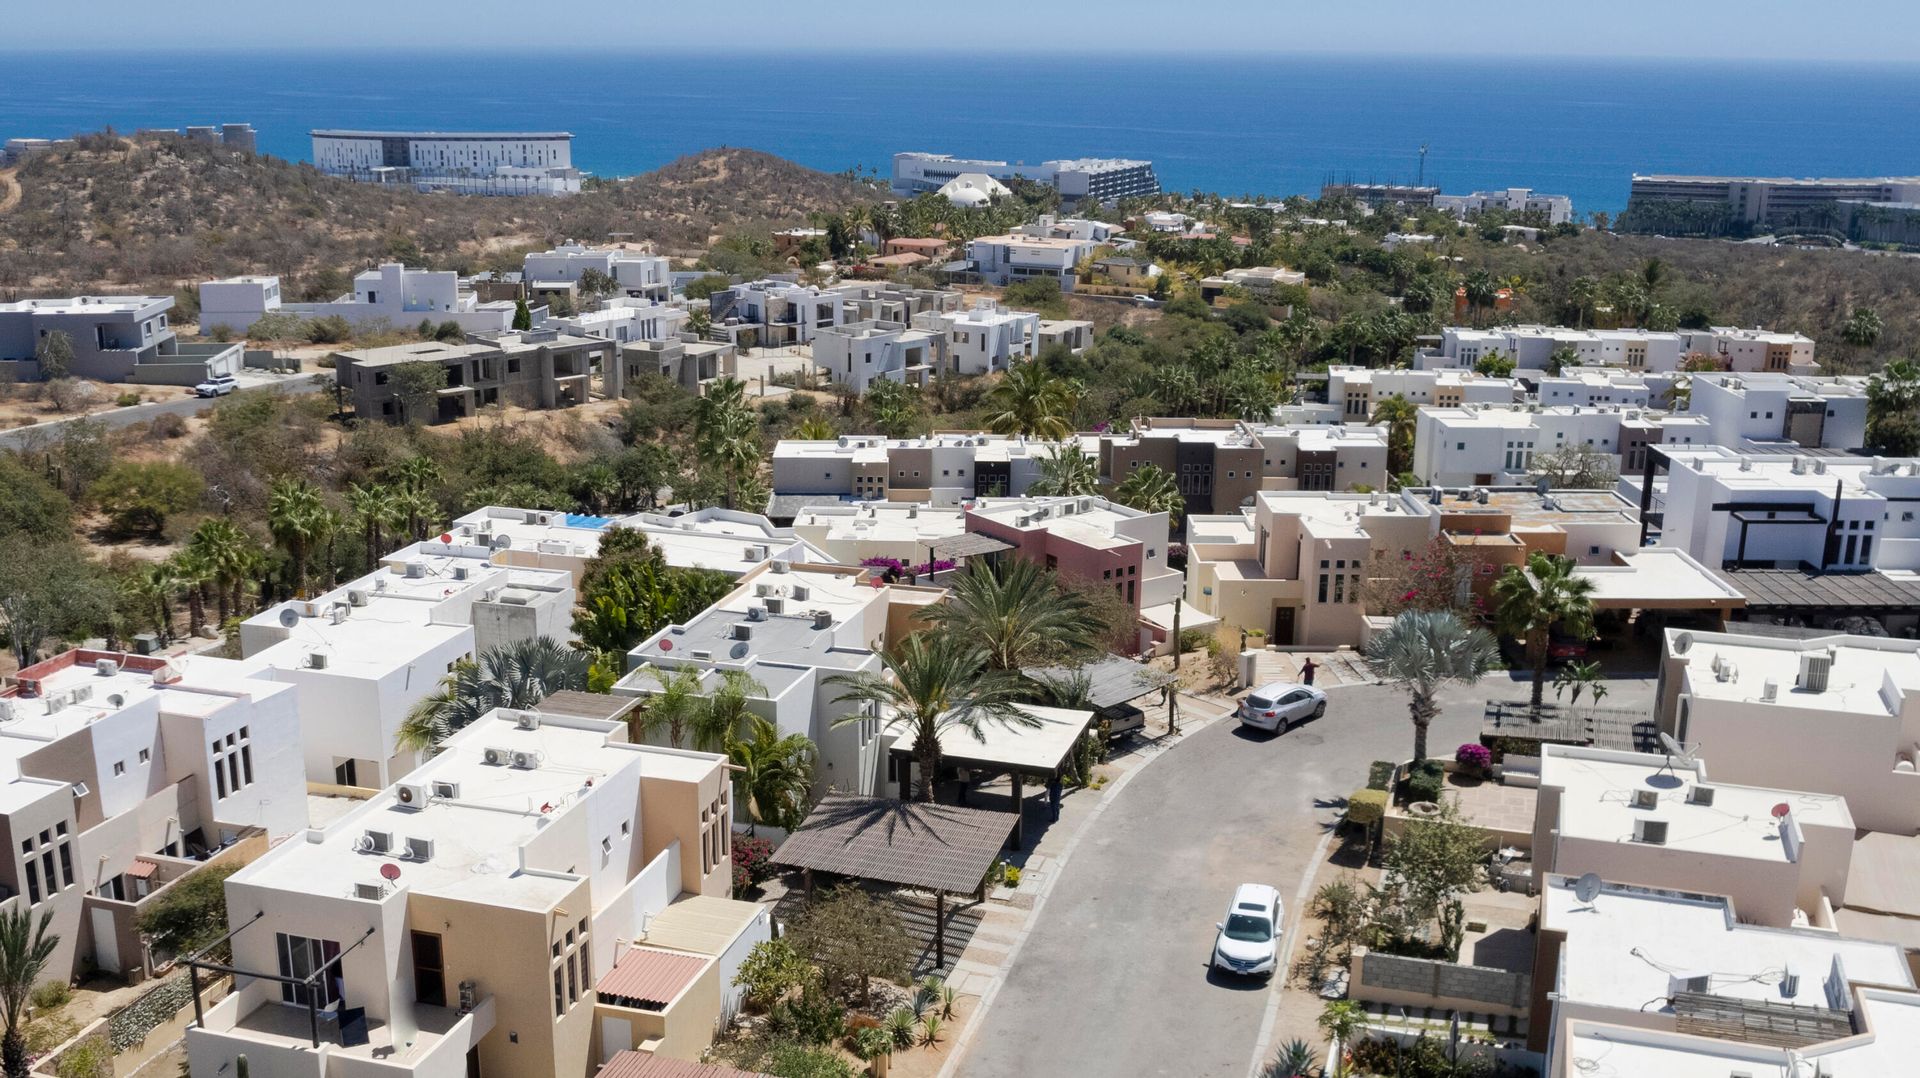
1676	752
289	617
1587	887
666	645
447	538
1681	642
501	542
738	651
389	871
1780	810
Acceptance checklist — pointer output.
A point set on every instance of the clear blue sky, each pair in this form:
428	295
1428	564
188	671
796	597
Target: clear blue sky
1863	30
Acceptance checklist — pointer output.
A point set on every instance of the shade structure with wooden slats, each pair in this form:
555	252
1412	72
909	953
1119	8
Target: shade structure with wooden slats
968	545
945	849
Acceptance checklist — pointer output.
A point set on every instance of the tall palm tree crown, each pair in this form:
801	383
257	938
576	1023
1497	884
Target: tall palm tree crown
939	683
1067	472
516	675
1033	401
1151	489
1015	615
1531	602
1425	650
772	775
299	519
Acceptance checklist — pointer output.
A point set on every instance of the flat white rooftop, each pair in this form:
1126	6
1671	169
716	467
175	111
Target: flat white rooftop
1864	670
1601	787
1890	1047
1666	574
1037	747
1622	947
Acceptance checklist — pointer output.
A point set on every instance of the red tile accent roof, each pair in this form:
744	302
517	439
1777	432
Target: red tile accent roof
650	975
141	869
647	1065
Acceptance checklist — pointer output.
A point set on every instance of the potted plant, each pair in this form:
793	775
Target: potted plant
875	1046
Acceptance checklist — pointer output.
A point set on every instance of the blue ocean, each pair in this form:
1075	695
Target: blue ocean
1263	125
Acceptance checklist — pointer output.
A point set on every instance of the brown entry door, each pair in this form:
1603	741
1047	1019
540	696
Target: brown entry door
1282	627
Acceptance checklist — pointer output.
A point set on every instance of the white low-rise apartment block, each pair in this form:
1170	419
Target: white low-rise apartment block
1557	208
1084	229
1073	334
1772	510
1105	179
1660	821
777	312
462	162
124	773
1480	445
1635	981
1355	391
640	274
401	296
1837	715
1593	387
1219	465
903	531
364	654
1001	260
484	914
792	629
983	338
1531	347
942	469
857	354
1814	413
626	320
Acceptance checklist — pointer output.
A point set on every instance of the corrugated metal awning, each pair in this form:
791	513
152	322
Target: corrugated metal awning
142	869
649	978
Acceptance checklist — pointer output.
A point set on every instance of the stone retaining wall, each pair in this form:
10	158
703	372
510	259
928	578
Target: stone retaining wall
1422	982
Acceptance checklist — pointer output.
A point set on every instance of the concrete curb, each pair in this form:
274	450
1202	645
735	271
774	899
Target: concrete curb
975	1021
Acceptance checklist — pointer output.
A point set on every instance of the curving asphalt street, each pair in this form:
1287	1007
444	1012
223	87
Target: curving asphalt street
23	437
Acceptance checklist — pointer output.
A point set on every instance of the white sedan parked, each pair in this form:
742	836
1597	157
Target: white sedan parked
1278	705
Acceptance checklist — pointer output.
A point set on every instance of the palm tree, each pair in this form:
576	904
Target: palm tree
700	322
374	509
1583	292
416	473
1015	615
1531	601
1399	415
1482	292
1340	1020
194	575
516	675
1151	489
815	428
726	433
1576	678
1425	650
157	585
1033	401
772	775
231	555
721	714
25	950
298	519
671	710
940	684
1068	472
1863	328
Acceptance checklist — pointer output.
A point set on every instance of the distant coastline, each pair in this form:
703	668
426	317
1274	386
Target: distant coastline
1235	124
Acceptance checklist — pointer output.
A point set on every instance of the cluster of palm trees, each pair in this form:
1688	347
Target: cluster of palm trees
1427	650
772	773
963	673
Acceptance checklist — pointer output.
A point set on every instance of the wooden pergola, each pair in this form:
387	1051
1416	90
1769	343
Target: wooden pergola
945	849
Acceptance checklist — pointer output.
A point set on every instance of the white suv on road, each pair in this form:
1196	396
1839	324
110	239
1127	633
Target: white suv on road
218	386
1248	943
1280	704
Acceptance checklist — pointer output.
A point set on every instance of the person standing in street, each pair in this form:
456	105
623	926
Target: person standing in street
1306	671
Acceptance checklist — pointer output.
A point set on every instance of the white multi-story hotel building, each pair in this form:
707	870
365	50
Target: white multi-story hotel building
1105	179
465	162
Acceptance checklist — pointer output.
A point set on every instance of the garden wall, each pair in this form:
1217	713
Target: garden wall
1422	982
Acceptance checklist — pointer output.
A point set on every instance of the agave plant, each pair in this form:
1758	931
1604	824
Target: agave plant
1295	1059
903	1026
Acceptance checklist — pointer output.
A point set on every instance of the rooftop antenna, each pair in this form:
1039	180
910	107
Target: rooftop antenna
1422	182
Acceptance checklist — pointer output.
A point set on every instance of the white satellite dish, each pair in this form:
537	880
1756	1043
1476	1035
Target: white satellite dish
289	617
1676	752
501	542
1681	642
1587	888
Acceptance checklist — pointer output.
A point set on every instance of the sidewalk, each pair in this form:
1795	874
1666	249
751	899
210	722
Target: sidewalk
1342	667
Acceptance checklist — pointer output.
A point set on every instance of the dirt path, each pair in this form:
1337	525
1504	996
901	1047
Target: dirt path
9	190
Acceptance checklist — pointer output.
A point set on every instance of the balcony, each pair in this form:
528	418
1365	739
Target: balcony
278	1039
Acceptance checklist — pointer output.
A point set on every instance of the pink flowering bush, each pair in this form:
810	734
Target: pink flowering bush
1474	756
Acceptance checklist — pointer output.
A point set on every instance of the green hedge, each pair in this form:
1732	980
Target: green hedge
1367	807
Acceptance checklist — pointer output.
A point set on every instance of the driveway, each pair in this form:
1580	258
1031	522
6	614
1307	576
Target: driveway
23	437
1114	977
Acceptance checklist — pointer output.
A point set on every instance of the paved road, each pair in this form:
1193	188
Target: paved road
1114	978
20	437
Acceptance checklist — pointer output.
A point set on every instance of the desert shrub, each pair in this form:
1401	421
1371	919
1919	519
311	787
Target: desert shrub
331	329
1426	781
752	862
127	399
772	970
50	996
812	1017
167	425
